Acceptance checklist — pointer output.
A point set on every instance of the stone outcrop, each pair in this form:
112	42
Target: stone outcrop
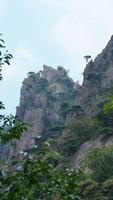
42	95
98	81
92	95
100	141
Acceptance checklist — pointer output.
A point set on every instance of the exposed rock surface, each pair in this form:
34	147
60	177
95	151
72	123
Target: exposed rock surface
42	95
97	86
100	141
98	81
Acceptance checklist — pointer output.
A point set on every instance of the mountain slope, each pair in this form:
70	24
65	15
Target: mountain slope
50	100
98	81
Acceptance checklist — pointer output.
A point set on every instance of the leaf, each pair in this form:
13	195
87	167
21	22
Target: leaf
1	104
7	62
2	41
2	46
0	77
10	55
7	57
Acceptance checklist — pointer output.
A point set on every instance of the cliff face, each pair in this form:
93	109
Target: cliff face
100	141
98	81
97	86
42	95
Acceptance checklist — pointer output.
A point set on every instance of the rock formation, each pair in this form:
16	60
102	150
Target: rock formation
92	95
98	81
42	95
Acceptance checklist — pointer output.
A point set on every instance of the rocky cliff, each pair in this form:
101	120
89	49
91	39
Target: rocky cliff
92	95
42	95
98	81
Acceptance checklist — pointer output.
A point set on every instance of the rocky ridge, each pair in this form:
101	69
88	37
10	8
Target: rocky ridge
98	81
42	95
92	95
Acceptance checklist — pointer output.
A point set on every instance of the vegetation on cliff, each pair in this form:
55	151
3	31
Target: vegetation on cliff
42	171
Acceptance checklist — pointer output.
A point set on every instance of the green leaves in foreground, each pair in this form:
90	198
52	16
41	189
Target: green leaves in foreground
5	57
38	180
11	128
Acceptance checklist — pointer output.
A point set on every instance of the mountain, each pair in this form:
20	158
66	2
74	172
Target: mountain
98	81
92	96
42	95
61	112
67	150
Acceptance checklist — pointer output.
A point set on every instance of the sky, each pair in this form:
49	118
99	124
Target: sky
51	32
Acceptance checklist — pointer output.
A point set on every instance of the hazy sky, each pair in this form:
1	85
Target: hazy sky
52	32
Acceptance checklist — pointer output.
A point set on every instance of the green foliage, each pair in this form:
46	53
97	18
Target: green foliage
108	107
68	87
67	82
107	189
42	85
29	102
64	185
89	190
1	105
87	57
76	133
67	108
106	115
48	153
26	183
11	128
5	57
40	174
94	77
76	109
105	56
100	163
51	98
31	73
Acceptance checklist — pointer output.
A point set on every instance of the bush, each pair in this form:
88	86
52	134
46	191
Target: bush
76	133
100	163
